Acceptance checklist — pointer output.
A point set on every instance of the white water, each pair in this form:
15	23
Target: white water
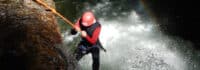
135	45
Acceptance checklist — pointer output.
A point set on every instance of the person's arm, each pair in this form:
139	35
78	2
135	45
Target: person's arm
95	36
77	24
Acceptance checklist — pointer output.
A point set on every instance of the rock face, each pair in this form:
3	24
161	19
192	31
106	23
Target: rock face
28	37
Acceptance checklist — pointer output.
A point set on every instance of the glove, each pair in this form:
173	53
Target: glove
73	31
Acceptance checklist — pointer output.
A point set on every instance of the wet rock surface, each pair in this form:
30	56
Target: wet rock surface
29	36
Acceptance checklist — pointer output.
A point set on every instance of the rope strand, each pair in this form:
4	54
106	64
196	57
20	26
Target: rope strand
55	12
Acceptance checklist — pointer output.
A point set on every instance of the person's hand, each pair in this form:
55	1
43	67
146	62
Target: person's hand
77	28
83	34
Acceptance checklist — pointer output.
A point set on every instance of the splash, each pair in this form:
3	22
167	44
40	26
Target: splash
135	45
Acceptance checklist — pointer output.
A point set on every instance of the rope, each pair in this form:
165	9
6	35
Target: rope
58	14
55	12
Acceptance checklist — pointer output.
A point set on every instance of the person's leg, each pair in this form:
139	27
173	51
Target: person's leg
96	58
80	52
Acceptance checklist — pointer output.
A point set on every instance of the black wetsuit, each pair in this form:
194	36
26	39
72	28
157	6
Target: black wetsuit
84	47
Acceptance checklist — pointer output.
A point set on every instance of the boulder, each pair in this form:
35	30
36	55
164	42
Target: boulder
29	34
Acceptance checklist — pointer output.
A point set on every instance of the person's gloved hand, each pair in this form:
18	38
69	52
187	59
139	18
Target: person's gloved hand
75	30
83	34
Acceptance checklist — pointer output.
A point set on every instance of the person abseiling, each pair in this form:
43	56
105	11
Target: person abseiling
90	30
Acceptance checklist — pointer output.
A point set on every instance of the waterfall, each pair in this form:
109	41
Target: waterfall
135	44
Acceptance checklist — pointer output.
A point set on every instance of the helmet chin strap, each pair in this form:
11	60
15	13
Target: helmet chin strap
94	21
85	24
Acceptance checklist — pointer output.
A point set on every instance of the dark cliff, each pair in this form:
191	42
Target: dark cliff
29	34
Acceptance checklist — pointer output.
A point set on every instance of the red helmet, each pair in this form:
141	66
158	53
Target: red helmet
88	18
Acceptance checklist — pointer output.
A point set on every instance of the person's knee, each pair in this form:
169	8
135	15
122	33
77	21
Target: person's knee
78	54
95	54
96	59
